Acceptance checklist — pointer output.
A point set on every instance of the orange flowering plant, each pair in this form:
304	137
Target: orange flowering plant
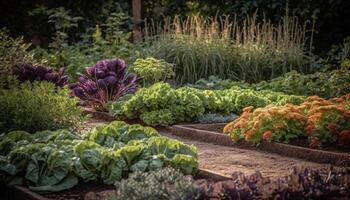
321	121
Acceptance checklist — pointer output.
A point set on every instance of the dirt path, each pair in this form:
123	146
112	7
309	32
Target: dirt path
226	160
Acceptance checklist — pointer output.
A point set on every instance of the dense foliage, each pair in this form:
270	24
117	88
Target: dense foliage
13	53
324	84
163	184
32	73
300	184
152	70
50	161
161	104
36	106
321	122
106	81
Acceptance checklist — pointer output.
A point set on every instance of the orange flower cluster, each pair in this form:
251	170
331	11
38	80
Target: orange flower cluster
316	116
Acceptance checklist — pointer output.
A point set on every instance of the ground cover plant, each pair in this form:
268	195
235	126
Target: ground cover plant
251	51
319	121
303	183
106	81
36	106
163	105
50	161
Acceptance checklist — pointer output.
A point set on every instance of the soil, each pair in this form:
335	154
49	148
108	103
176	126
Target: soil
89	191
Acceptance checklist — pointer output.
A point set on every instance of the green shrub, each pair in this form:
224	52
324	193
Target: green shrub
37	106
13	53
252	51
152	70
162	184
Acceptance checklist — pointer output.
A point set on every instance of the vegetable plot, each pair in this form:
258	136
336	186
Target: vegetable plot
163	105
51	161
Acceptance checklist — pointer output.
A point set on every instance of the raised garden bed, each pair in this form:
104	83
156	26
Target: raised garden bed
212	133
86	191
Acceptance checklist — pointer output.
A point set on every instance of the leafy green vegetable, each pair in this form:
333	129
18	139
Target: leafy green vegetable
49	161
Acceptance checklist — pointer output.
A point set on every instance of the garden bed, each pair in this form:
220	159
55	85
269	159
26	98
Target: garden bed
87	191
211	133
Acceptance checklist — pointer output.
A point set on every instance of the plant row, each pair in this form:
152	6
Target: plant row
162	105
324	84
50	161
319	121
298	184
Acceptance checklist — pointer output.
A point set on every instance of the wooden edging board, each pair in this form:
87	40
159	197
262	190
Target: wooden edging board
196	132
21	192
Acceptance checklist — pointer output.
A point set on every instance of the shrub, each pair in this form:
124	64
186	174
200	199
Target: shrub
152	70
162	184
252	51
37	106
13	53
106	81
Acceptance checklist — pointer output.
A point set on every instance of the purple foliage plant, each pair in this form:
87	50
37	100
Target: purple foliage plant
41	73
106	81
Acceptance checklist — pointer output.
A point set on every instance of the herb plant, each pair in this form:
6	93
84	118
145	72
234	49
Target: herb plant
37	106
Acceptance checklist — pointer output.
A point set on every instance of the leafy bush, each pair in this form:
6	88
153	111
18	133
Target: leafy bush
250	51
51	161
164	184
152	70
13	53
40	73
162	105
37	106
106	81
325	122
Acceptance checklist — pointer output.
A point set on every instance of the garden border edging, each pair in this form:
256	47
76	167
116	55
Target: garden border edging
315	155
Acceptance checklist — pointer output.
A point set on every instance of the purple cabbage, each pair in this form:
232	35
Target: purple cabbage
106	81
41	73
